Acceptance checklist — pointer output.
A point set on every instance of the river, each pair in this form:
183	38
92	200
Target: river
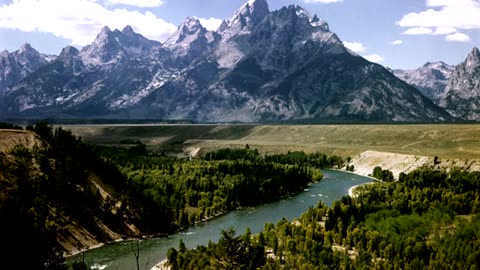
119	255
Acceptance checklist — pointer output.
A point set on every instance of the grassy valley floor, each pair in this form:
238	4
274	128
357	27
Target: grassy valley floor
399	148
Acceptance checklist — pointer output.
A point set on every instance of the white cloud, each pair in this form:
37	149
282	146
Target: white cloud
79	20
322	1
444	30
419	31
373	58
211	24
138	3
361	49
397	42
357	47
458	37
445	14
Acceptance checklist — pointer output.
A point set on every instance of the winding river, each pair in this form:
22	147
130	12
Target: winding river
119	255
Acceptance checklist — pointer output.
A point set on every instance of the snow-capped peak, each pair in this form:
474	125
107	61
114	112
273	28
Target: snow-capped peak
301	12
19	64
320	23
191	27
252	11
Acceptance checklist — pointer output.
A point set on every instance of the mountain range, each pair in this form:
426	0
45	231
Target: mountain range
454	88
431	79
258	66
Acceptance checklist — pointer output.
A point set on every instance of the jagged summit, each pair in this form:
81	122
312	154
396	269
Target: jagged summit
110	47
430	79
473	60
26	47
462	94
261	65
190	41
104	34
191	26
251	13
475	51
18	64
128	30
222	26
438	64
254	9
69	51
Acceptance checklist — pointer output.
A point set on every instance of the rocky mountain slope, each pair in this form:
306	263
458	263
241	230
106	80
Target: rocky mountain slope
462	94
260	65
431	78
19	64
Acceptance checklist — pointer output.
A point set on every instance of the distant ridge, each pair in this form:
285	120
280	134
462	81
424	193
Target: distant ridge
259	66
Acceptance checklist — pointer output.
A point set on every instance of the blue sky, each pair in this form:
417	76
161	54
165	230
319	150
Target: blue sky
395	33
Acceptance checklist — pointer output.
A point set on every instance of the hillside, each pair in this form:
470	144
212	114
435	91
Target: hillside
64	195
55	198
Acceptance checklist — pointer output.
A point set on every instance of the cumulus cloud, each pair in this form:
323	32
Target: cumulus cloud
79	20
138	3
322	1
444	30
361	49
458	37
397	42
211	24
418	31
373	58
357	47
444	17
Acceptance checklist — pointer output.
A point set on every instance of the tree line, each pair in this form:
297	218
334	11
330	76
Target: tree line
428	219
49	187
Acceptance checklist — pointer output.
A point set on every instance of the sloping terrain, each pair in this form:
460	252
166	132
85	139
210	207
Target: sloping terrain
67	195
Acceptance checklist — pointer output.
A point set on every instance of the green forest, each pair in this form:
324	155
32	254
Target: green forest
427	220
46	188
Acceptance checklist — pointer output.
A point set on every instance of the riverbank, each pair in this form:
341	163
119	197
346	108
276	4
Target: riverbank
95	245
351	191
365	162
163	265
118	256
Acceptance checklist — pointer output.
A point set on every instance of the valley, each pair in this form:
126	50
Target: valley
265	118
448	142
146	186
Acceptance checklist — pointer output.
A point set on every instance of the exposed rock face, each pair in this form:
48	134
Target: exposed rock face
19	64
431	79
260	65
462	94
